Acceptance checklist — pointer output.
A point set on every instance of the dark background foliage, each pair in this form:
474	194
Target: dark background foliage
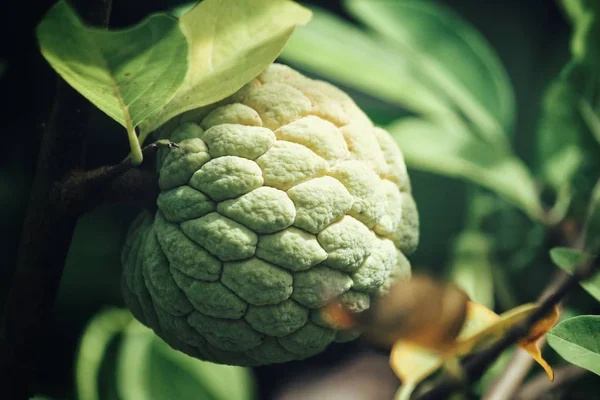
531	38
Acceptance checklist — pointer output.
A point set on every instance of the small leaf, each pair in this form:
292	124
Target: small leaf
529	344
128	74
567	259
471	267
577	340
230	43
448	55
451	151
94	343
412	364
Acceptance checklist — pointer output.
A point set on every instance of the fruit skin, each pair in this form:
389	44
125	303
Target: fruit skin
279	199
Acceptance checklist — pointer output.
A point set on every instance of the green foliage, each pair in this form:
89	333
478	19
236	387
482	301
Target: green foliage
568	153
404	62
147	368
453	151
145	75
584	15
568	259
230	42
415	55
569	130
128	74
448	55
344	54
577	340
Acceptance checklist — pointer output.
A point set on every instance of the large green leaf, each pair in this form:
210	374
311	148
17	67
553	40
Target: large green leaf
449	150
230	43
567	259
577	340
148	369
568	153
448	55
343	53
128	73
569	132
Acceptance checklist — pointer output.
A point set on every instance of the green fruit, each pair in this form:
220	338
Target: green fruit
278	200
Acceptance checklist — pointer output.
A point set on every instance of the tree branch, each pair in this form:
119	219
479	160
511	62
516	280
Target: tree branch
539	385
46	234
478	363
82	191
33	288
506	385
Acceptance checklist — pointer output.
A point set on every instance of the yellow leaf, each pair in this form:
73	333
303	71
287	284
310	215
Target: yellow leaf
230	43
413	363
529	344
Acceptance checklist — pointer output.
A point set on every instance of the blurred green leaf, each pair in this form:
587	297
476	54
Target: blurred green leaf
591	118
567	259
577	340
568	153
471	267
346	54
448	150
592	233
94	343
585	16
230	43
128	74
447	55
149	369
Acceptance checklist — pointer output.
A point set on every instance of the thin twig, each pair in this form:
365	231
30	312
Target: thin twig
506	384
477	364
539	385
84	190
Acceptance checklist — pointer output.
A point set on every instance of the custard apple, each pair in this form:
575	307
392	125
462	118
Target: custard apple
278	200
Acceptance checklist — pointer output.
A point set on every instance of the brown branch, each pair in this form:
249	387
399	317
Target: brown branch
46	234
28	308
82	191
508	382
505	386
478	363
539	385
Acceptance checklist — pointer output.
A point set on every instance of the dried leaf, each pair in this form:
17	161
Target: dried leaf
412	363
421	311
